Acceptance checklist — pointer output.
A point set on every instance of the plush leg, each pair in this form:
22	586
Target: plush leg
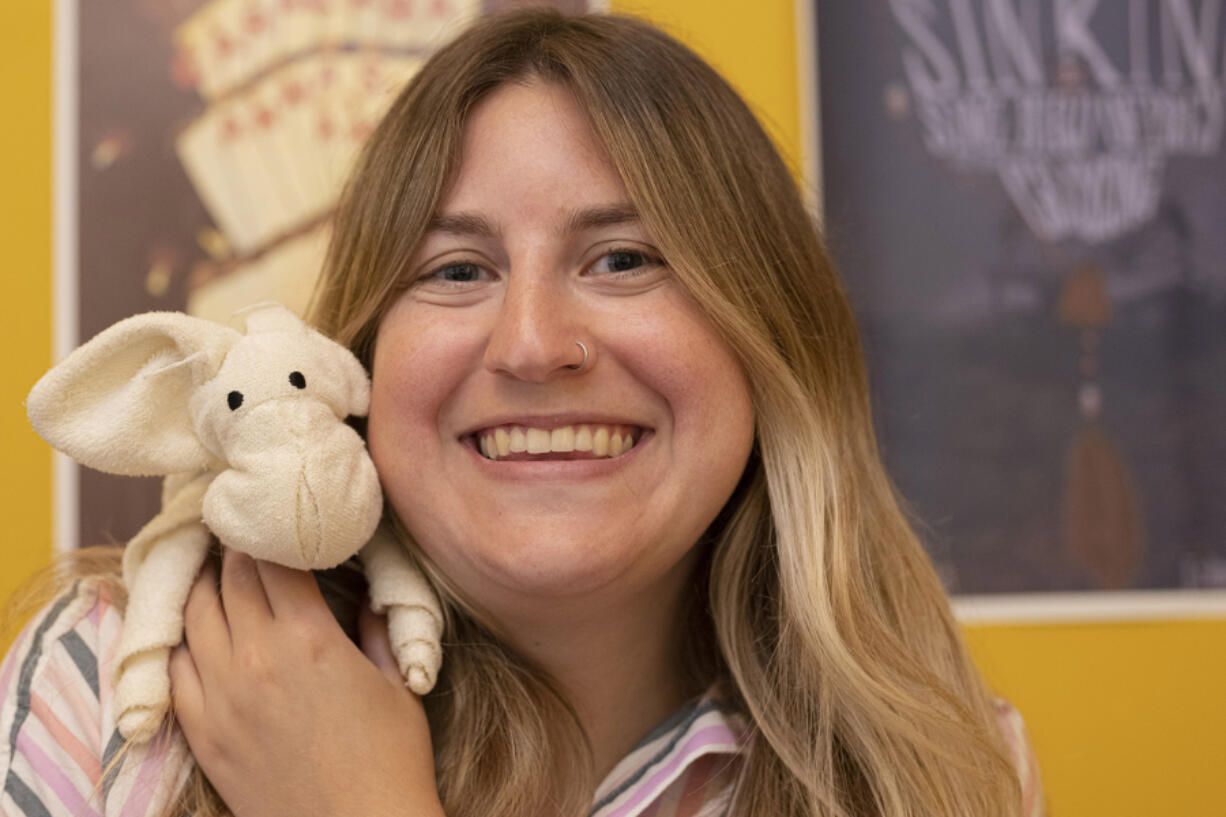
414	617
153	624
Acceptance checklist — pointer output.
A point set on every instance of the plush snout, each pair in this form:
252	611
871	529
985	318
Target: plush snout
306	494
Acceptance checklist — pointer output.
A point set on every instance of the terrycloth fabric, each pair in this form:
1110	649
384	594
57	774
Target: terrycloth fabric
414	618
56	735
250	431
165	393
159	565
119	403
154	626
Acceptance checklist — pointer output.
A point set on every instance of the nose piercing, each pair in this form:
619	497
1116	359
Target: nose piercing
582	363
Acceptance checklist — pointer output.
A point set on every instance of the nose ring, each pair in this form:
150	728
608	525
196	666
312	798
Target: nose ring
582	363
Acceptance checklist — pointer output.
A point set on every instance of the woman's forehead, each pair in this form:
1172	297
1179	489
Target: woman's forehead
527	144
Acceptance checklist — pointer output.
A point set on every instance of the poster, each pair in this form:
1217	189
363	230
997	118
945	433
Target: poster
1027	199
201	146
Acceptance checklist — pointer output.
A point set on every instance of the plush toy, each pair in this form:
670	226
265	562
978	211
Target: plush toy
249	431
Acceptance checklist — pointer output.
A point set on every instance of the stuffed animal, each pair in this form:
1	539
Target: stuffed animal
249	431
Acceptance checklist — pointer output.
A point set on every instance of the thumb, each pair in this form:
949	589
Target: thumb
375	644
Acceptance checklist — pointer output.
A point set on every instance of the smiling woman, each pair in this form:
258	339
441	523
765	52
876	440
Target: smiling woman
525	531
620	416
590	181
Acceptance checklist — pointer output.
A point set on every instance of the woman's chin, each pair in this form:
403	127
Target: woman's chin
554	570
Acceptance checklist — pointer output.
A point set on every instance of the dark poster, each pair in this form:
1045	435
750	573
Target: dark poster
1028	201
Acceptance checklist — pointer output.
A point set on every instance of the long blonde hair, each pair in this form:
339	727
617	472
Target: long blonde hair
827	624
816	612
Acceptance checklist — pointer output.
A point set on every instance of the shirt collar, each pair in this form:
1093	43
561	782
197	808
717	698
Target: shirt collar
702	727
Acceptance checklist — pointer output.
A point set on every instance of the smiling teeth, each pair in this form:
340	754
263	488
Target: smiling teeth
562	439
600	440
583	438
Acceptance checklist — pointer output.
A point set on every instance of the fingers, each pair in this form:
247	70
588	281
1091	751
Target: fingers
205	629
186	689
242	594
206	648
292	592
372	633
256	593
256	590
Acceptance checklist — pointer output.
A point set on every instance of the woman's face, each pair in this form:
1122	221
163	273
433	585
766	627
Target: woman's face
537	246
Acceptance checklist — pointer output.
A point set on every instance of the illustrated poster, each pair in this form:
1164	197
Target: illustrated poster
211	141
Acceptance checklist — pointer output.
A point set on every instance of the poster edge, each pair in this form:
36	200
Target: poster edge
64	318
808	105
1102	605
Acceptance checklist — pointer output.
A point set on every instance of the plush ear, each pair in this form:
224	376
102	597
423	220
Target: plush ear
120	402
269	316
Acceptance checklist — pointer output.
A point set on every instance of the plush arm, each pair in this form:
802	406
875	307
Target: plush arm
414	617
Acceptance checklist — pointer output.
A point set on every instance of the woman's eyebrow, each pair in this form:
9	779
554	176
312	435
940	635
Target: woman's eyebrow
610	215
462	224
592	218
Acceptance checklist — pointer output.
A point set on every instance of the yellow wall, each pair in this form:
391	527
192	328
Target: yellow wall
755	51
1128	719
25	284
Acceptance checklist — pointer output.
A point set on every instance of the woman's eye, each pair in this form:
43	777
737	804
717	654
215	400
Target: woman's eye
461	273
626	261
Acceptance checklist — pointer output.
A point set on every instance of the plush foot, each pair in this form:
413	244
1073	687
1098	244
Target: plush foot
142	694
415	634
138	725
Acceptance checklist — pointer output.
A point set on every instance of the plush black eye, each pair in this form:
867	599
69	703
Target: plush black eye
235	399
297	380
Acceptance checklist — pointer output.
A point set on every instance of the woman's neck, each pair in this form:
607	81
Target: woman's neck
618	660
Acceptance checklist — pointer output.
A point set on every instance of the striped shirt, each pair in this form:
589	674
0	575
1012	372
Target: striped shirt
57	732
58	737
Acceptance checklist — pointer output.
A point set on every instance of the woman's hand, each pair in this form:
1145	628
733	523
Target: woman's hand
283	713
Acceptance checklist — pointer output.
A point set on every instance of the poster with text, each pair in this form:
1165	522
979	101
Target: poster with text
1027	199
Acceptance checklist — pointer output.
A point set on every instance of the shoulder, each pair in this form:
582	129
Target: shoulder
1017	740
59	749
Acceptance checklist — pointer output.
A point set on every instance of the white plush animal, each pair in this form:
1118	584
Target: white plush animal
249	431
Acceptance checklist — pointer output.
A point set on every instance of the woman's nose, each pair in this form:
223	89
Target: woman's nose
535	332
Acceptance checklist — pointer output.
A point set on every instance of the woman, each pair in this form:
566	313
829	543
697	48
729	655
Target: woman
620	415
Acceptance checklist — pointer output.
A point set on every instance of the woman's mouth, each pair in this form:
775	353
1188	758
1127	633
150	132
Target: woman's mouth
584	441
